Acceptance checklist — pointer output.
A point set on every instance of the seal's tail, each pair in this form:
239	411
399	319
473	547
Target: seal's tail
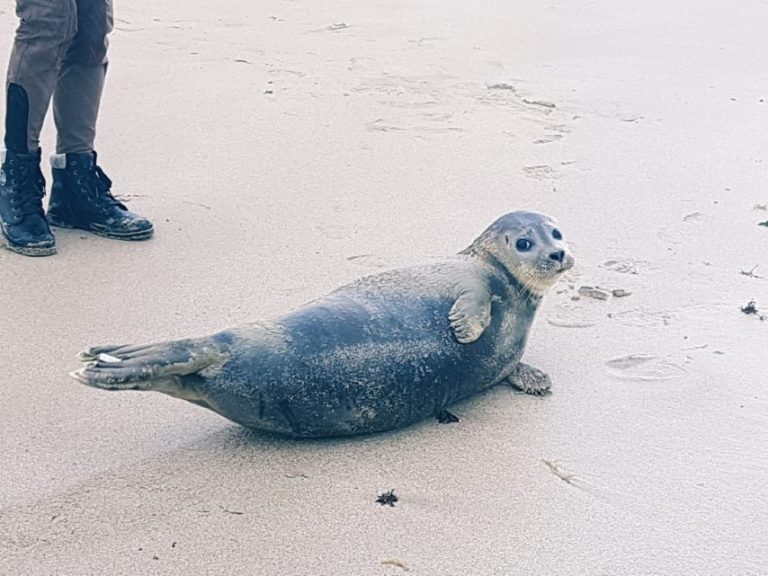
147	367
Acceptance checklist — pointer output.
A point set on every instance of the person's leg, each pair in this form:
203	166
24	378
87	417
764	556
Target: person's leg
81	196
44	32
77	93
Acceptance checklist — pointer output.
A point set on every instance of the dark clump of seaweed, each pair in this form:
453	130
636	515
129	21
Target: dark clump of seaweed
751	273
388	498
751	308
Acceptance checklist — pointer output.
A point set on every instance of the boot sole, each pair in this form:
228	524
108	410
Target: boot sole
128	236
44	250
30	250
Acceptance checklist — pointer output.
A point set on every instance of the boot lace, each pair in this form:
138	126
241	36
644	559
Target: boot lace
30	191
101	185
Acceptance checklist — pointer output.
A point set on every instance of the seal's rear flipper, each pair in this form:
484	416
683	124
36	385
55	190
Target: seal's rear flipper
159	367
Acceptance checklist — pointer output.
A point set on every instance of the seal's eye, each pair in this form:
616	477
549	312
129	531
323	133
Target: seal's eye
523	244
556	234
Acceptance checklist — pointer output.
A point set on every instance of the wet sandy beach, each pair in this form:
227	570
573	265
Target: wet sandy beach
286	148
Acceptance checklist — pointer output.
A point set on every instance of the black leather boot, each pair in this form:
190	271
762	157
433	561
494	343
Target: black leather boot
81	198
22	220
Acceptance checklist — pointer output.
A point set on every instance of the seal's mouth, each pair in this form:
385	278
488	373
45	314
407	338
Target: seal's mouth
566	264
554	268
540	277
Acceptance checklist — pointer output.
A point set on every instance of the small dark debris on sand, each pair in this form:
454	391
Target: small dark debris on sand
751	273
751	308
235	512
445	417
542	103
388	498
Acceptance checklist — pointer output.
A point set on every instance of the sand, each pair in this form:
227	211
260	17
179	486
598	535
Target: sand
285	148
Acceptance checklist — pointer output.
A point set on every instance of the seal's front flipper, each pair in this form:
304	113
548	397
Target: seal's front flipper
530	380
164	367
470	314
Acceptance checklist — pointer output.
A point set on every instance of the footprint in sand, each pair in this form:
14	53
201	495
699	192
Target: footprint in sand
695	217
502	86
678	234
628	266
643	367
568	315
566	321
695	316
561	128
548	139
380	125
639	318
542	172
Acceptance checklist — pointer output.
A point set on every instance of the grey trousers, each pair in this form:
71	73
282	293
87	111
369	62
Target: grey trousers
59	52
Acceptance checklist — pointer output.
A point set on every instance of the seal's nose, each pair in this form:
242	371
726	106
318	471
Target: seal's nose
558	256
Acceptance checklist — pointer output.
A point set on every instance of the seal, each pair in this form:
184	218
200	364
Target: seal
380	353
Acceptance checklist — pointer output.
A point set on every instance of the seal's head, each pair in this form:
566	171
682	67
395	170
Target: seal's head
529	246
